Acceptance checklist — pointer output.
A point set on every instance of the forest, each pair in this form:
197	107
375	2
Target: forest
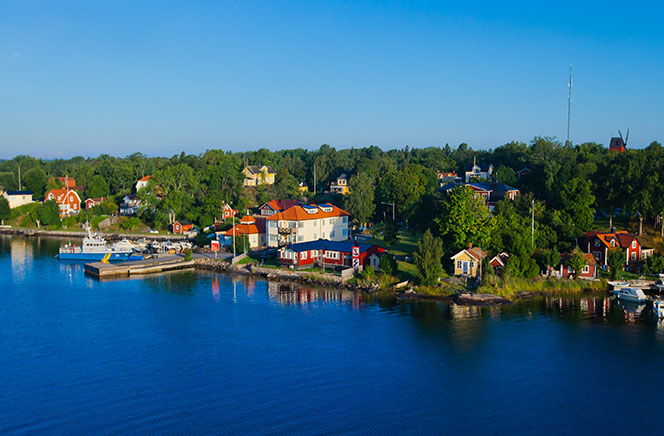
571	188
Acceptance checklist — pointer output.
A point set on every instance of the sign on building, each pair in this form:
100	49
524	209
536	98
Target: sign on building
356	257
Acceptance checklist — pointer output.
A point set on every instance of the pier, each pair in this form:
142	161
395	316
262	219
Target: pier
129	268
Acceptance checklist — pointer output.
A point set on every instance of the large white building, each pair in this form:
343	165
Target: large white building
307	222
17	198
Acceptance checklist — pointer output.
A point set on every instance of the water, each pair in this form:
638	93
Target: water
197	353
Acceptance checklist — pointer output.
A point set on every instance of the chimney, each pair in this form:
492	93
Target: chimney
470	245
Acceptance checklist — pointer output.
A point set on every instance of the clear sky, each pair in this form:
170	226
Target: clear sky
160	77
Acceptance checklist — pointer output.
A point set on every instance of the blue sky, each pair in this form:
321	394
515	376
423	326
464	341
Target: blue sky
85	78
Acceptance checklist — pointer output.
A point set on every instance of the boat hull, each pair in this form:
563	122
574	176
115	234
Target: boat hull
114	257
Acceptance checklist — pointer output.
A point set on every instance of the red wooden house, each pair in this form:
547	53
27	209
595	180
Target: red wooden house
599	243
327	253
498	262
589	271
182	226
68	201
92	202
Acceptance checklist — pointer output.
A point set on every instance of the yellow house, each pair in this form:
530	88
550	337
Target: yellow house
303	188
255	175
467	262
341	186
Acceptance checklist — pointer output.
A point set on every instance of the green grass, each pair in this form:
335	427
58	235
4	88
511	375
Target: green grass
406	271
508	287
407	244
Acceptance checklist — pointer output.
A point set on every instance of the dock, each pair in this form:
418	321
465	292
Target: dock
129	268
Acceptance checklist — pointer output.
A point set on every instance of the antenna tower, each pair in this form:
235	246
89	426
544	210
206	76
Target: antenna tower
569	101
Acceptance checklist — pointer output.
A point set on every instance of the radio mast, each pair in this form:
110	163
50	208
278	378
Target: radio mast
569	101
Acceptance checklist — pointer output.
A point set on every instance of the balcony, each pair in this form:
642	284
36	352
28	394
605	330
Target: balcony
286	230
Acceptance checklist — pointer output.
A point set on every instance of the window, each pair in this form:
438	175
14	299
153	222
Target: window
459	264
344	219
472	264
315	236
300	238
332	234
633	257
273	224
613	243
292	224
303	255
273	238
323	235
596	242
344	232
586	269
300	224
634	243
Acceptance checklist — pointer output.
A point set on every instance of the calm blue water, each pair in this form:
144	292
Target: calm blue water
191	353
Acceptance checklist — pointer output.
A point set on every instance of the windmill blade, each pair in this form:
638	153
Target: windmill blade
620	134
626	136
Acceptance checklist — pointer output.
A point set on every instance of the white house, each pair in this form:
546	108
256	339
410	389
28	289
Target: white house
482	172
142	182
17	198
307	222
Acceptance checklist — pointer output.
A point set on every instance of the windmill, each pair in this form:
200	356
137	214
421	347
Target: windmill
618	144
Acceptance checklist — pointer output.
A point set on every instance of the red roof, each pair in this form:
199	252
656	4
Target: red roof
144	179
299	213
279	205
60	194
622	239
250	226
590	259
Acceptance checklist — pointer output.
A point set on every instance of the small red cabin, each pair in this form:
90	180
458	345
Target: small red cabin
182	226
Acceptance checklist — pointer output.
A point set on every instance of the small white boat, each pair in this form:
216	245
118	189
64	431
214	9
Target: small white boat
630	294
658	308
124	244
619	285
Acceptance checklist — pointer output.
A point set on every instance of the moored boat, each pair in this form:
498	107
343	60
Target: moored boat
630	294
658	308
94	247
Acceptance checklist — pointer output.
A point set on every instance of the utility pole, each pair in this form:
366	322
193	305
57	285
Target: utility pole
315	179
19	178
569	101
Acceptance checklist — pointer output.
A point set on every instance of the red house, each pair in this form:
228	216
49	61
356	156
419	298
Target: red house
498	262
327	253
182	226
599	243
92	202
589	271
68	201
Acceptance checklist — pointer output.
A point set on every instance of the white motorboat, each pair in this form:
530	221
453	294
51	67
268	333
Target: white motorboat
619	285
630	294
124	244
658	308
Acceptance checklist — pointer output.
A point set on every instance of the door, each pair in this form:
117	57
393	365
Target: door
465	267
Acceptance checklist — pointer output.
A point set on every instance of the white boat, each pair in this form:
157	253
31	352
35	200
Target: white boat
659	286
658	308
619	285
630	294
124	244
94	247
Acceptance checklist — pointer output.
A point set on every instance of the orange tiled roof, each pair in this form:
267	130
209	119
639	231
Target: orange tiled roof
144	179
298	213
282	204
622	238
247	229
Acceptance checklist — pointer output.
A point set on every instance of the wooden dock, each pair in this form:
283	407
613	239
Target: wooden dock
147	266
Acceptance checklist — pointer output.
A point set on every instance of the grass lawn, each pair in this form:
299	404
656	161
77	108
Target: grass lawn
407	243
407	271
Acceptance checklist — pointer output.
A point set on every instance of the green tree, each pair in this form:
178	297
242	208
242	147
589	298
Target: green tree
505	174
388	264
97	187
5	211
360	202
286	185
615	259
8	181
465	219
131	223
577	211
391	234
48	213
35	180
577	262
427	259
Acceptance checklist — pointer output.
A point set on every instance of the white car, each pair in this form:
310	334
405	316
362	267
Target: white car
154	231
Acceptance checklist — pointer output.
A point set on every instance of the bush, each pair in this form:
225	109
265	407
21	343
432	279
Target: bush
187	255
131	223
388	264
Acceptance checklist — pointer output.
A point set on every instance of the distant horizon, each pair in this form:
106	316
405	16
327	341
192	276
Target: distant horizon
312	149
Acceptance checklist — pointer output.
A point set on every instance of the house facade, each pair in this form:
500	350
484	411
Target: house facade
599	243
17	198
468	261
255	175
498	262
92	202
67	200
588	272
130	205
329	254
307	222
340	186
254	228
276	206
180	227
492	193
142	182
479	171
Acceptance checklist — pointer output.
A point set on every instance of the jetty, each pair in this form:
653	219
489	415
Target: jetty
146	266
